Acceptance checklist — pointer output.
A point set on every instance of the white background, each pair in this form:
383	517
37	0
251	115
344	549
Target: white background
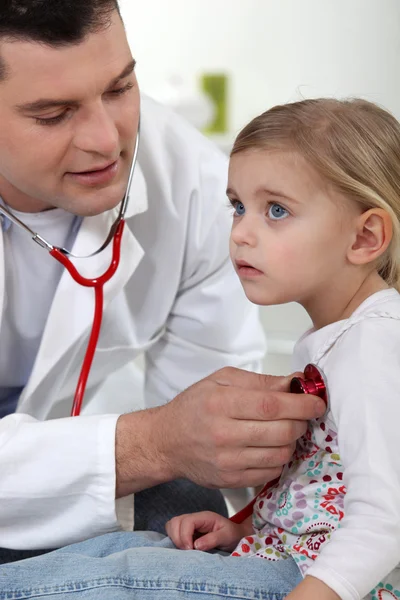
273	51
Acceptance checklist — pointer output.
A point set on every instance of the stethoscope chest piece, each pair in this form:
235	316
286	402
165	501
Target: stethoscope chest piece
313	383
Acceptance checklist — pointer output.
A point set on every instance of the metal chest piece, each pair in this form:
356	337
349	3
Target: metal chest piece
313	383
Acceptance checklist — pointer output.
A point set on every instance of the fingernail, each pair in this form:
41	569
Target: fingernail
198	545
320	408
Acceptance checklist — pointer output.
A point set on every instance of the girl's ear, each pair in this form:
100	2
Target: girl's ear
373	236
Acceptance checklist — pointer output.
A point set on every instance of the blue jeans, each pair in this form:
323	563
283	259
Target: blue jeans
144	566
153	508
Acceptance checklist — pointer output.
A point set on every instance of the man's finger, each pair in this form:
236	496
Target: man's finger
230	376
264	458
252	477
258	434
255	405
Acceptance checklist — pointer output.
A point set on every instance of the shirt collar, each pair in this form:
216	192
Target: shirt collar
5	223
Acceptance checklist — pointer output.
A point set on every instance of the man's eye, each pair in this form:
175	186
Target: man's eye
122	90
51	120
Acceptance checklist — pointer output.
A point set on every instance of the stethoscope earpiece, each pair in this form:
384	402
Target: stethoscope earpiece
313	383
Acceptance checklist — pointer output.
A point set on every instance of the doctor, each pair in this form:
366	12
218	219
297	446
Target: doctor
69	110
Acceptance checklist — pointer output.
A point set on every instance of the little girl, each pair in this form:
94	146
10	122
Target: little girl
315	191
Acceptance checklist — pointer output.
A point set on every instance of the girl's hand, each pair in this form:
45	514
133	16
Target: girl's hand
218	531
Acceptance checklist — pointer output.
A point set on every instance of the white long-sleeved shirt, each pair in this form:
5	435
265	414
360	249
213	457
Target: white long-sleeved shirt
362	368
29	292
336	508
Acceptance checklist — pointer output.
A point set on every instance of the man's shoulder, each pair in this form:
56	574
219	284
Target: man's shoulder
166	130
184	168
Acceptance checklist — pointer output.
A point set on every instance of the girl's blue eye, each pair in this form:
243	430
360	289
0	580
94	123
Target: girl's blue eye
276	211
239	209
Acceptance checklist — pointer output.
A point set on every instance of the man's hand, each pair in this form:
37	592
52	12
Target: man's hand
231	429
218	532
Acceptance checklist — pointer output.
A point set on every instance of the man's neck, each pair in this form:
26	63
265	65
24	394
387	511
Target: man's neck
19	201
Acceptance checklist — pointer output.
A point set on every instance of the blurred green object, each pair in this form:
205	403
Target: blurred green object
216	87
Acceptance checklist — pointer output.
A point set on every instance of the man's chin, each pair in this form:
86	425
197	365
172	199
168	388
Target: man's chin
96	203
95	210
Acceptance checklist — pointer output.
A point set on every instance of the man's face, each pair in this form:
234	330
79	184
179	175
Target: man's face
69	118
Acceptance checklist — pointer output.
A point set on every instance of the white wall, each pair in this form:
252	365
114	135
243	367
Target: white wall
274	51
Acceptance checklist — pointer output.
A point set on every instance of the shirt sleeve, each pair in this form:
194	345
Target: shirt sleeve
51	498
362	373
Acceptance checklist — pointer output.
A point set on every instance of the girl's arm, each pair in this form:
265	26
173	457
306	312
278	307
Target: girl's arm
362	372
312	589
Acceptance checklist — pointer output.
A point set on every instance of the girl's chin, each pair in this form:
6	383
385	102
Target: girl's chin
267	299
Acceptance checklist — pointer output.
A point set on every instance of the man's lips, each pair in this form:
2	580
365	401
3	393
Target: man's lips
100	176
94	169
245	269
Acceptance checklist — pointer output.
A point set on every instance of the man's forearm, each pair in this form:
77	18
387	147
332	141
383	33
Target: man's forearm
140	460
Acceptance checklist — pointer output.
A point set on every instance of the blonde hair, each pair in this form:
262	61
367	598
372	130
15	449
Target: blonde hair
353	144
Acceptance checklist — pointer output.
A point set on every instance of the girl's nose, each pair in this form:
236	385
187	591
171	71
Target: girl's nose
244	232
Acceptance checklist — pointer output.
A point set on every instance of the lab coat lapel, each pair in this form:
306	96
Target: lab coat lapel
2	273
71	313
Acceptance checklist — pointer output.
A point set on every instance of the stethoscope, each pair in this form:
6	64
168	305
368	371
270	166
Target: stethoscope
313	383
63	256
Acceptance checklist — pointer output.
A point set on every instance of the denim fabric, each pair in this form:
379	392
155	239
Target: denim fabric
144	566
8	400
153	508
156	505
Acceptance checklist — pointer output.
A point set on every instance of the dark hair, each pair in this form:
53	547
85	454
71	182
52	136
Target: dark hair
55	23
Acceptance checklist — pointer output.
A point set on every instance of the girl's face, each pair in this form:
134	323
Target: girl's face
290	232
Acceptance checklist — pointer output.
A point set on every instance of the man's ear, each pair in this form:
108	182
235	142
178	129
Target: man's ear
374	233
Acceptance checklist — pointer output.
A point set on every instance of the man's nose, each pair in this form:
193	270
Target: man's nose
97	132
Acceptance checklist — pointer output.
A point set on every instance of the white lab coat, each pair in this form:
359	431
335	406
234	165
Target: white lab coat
174	297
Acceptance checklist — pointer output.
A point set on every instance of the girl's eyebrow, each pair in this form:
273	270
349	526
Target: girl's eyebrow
264	190
276	193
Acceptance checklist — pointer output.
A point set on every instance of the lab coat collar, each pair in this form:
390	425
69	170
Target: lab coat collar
71	313
2	275
138	199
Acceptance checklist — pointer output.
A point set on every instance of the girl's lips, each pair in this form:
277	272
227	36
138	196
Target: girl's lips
246	270
93	178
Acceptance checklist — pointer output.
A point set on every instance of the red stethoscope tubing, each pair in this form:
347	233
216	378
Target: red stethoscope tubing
98	284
